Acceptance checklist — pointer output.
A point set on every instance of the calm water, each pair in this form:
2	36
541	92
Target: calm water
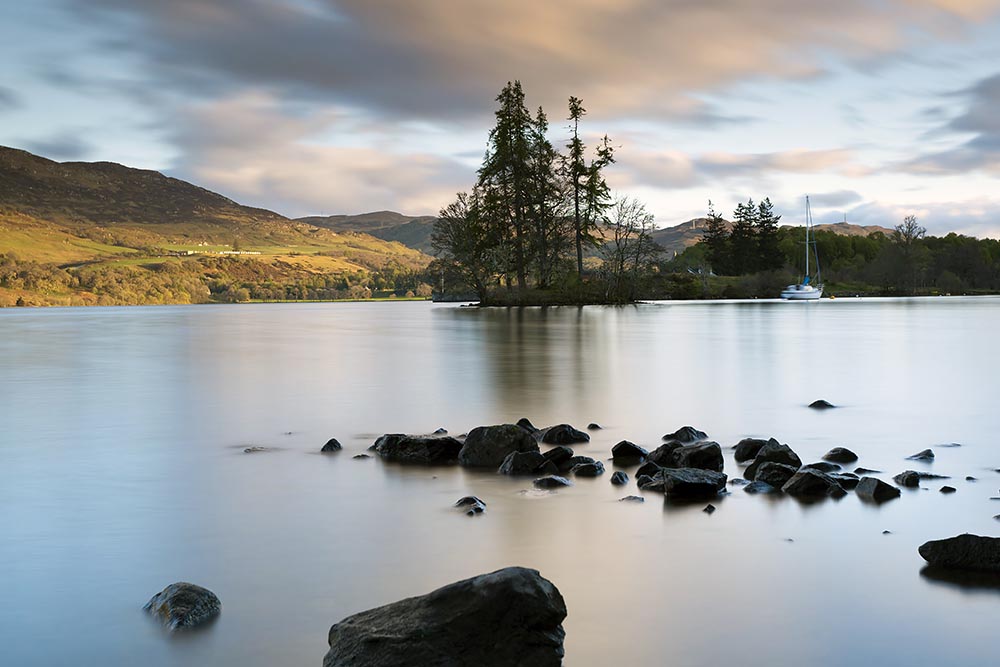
121	470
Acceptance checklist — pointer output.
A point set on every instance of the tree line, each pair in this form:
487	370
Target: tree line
525	226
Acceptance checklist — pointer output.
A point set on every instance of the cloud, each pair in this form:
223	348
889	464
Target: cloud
8	99
258	151
981	152
448	58
836	199
978	217
65	145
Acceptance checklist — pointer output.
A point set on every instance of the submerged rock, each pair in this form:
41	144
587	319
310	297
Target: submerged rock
840	455
552	482
594	426
332	445
761	487
908	478
440	431
774	474
812	484
964	552
821	404
692	482
488	446
846	479
559	455
747	448
875	490
418	449
184	605
822	466
522	463
686	435
632	499
948	489
255	449
591	469
866	471
564	434
626	452
925	455
619	478
509	617
471	505
361	456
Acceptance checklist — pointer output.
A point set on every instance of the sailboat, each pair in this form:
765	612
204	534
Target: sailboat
806	291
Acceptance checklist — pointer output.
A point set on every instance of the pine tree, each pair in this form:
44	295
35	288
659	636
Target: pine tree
550	238
575	166
769	253
716	240
743	239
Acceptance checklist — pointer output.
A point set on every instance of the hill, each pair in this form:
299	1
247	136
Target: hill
412	231
101	215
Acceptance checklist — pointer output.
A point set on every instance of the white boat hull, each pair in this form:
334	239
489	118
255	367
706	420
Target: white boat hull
802	293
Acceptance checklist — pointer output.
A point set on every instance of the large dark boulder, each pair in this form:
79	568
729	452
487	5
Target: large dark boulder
692	482
387	440
847	480
663	455
874	490
418	449
648	468
332	445
774	474
559	455
651	483
812	484
963	552
184	605
509	617
747	448
522	463
573	462
822	466
773	452
704	455
626	452
526	424
686	435
840	455
563	434
488	446
591	469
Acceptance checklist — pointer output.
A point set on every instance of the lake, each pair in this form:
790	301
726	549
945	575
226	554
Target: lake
122	469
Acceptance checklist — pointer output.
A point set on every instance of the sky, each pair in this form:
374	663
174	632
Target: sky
875	108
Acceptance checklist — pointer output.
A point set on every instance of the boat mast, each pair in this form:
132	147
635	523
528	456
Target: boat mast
807	236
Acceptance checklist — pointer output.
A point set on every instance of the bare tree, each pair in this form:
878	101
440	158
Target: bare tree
629	250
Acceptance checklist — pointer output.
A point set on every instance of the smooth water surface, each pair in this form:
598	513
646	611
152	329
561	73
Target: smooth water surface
122	469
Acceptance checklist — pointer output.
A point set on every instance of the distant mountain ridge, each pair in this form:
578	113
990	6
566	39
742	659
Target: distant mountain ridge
412	231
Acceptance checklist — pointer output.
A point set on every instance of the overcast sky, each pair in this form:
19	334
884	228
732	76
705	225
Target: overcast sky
876	108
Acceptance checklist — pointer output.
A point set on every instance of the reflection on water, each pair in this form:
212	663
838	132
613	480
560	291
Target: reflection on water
122	469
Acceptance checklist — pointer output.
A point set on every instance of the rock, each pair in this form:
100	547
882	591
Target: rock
970	478
471	505
773	452
648	468
963	552
775	474
822	466
812	484
821	404
686	435
332	445
747	448
388	440
950	444
593	426
840	455
907	478
760	487
184	605
619	478
573	462
705	455
488	446
739	481
563	434
440	431
255	449
361	456
692	482
626	452
663	455
548	468
930	475
632	499
551	482
846	480
527	425
866	471
509	617
522	463
654	483
887	532
418	449
709	508
926	455
948	489
875	490
559	455
592	469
